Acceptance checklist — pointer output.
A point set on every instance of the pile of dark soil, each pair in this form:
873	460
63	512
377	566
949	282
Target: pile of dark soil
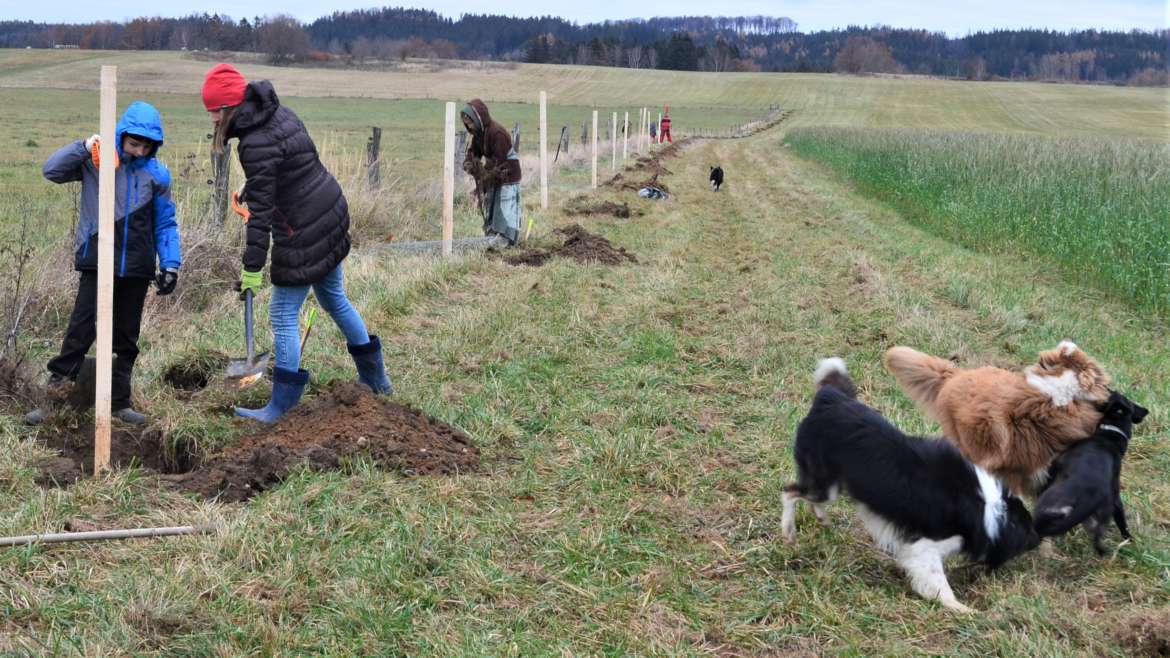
580	245
345	421
620	182
582	205
649	168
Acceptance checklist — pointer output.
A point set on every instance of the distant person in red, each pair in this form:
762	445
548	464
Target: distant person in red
664	130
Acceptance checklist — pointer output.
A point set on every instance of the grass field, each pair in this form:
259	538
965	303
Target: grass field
1097	208
635	422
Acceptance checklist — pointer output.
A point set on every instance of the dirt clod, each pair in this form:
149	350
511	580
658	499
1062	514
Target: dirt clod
580	245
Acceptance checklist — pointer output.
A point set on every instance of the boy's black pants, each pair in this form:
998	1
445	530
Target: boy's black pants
129	296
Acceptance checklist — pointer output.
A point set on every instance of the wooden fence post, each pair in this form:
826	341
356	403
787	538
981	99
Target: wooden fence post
543	151
613	143
595	149
460	149
374	157
626	138
221	166
516	137
449	180
105	281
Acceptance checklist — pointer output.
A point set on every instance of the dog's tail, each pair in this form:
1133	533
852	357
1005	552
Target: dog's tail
832	372
920	375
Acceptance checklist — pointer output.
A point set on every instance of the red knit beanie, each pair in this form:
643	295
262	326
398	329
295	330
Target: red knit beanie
223	86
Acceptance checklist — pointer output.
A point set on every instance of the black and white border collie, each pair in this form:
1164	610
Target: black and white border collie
716	178
919	498
1085	481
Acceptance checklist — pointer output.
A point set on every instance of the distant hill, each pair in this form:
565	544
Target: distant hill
740	43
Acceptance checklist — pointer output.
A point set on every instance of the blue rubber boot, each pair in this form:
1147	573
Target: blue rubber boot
371	371
287	388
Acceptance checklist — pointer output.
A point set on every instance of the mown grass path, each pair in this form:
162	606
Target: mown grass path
636	424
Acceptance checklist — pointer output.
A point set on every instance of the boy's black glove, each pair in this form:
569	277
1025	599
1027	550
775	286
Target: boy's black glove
165	281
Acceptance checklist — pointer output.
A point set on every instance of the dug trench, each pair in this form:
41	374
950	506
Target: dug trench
343	422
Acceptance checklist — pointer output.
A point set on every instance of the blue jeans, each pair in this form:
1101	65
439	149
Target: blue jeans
285	308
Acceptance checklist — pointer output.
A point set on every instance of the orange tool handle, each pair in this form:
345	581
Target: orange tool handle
239	208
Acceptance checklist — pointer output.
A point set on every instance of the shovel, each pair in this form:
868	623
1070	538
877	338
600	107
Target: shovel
245	372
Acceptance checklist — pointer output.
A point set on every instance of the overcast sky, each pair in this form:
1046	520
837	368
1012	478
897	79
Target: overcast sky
956	17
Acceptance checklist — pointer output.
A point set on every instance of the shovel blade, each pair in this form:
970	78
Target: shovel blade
241	372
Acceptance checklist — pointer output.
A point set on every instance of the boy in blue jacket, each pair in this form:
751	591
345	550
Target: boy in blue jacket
145	231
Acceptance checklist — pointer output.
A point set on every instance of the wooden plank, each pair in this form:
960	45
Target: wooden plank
449	179
105	281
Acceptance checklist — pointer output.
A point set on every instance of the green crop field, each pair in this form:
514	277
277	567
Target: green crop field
635	421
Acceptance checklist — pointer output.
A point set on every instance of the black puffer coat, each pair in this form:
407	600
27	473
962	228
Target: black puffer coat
289	193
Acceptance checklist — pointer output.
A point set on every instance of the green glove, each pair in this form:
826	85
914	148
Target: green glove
251	281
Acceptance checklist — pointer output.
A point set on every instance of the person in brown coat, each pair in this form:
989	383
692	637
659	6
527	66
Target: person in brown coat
492	162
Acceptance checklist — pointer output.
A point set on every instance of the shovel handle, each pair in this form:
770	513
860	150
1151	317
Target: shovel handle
249	335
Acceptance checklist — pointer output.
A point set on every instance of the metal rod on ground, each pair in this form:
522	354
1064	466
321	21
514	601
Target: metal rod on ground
373	157
613	158
105	282
102	535
449	179
595	149
543	151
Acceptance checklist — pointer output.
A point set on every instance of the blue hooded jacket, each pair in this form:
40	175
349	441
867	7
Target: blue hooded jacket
145	228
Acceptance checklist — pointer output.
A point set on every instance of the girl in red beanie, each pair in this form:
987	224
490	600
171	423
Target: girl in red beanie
296	205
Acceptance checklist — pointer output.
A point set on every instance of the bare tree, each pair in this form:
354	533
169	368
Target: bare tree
634	56
283	39
864	55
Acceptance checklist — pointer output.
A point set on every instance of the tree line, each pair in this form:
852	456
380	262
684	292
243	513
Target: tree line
695	43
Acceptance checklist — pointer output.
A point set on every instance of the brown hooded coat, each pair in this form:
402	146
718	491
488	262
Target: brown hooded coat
492	142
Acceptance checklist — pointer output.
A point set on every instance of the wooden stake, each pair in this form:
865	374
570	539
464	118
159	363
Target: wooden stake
595	149
449	179
543	151
658	128
626	137
374	157
644	128
105	281
613	142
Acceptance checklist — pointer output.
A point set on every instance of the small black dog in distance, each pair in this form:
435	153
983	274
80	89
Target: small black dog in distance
1084	484
716	178
919	498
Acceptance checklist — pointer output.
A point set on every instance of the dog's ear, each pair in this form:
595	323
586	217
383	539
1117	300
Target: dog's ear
1139	413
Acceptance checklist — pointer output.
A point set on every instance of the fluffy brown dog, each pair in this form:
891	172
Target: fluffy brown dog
1013	424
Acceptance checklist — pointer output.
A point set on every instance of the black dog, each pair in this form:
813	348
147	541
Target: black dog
716	178
1084	483
919	498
